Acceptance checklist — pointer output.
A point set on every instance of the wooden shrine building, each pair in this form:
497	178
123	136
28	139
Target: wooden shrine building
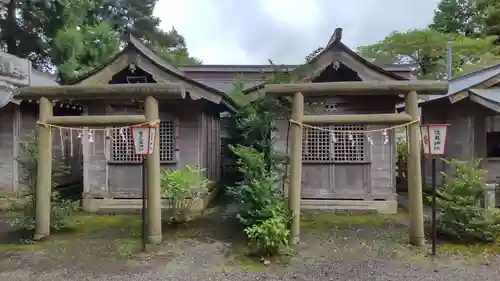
189	131
347	161
349	169
472	108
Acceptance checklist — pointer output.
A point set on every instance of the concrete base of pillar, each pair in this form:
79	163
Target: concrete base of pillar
154	239
417	241
94	205
38	237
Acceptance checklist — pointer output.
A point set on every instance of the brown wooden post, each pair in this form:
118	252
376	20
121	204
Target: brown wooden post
296	165
414	174
153	178
44	172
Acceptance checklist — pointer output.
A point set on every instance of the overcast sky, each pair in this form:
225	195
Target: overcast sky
253	31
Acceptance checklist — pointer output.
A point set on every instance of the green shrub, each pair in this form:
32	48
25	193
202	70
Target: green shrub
461	214
402	151
262	208
261	205
402	157
269	238
22	212
258	195
181	188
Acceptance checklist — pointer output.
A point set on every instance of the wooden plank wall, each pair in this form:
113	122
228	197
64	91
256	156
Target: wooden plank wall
17	124
372	180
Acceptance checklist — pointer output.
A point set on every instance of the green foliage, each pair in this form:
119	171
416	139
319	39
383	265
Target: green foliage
262	208
270	237
258	195
37	30
487	15
181	188
427	48
402	151
402	157
22	212
236	93
456	16
470	18
261	205
174	51
79	49
460	212
254	124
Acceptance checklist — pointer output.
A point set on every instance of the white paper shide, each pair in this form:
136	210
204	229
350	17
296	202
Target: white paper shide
434	138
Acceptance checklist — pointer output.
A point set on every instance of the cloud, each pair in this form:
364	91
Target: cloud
251	32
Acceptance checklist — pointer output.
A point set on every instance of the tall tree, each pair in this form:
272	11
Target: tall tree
472	18
427	48
29	28
488	16
21	30
171	46
456	16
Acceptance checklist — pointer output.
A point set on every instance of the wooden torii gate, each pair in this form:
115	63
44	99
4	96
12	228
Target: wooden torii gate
149	93
408	89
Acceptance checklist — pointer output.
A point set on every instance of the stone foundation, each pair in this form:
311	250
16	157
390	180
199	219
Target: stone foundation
94	205
382	207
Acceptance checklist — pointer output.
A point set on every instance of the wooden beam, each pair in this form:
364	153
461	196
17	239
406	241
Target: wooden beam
96	120
107	91
391	118
361	88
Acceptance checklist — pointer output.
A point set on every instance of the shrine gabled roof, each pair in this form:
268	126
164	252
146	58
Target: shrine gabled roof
335	45
134	44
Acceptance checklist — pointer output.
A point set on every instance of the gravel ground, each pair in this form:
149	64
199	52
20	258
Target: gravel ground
210	253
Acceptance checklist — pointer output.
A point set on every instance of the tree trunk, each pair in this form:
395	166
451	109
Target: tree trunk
12	28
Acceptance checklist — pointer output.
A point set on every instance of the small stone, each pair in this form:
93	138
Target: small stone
161	253
144	256
267	262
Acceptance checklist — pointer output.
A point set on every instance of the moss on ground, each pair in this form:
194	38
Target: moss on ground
329	220
87	223
120	235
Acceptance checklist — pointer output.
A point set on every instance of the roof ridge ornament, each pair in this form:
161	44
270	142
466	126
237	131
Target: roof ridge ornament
132	67
336	36
336	64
